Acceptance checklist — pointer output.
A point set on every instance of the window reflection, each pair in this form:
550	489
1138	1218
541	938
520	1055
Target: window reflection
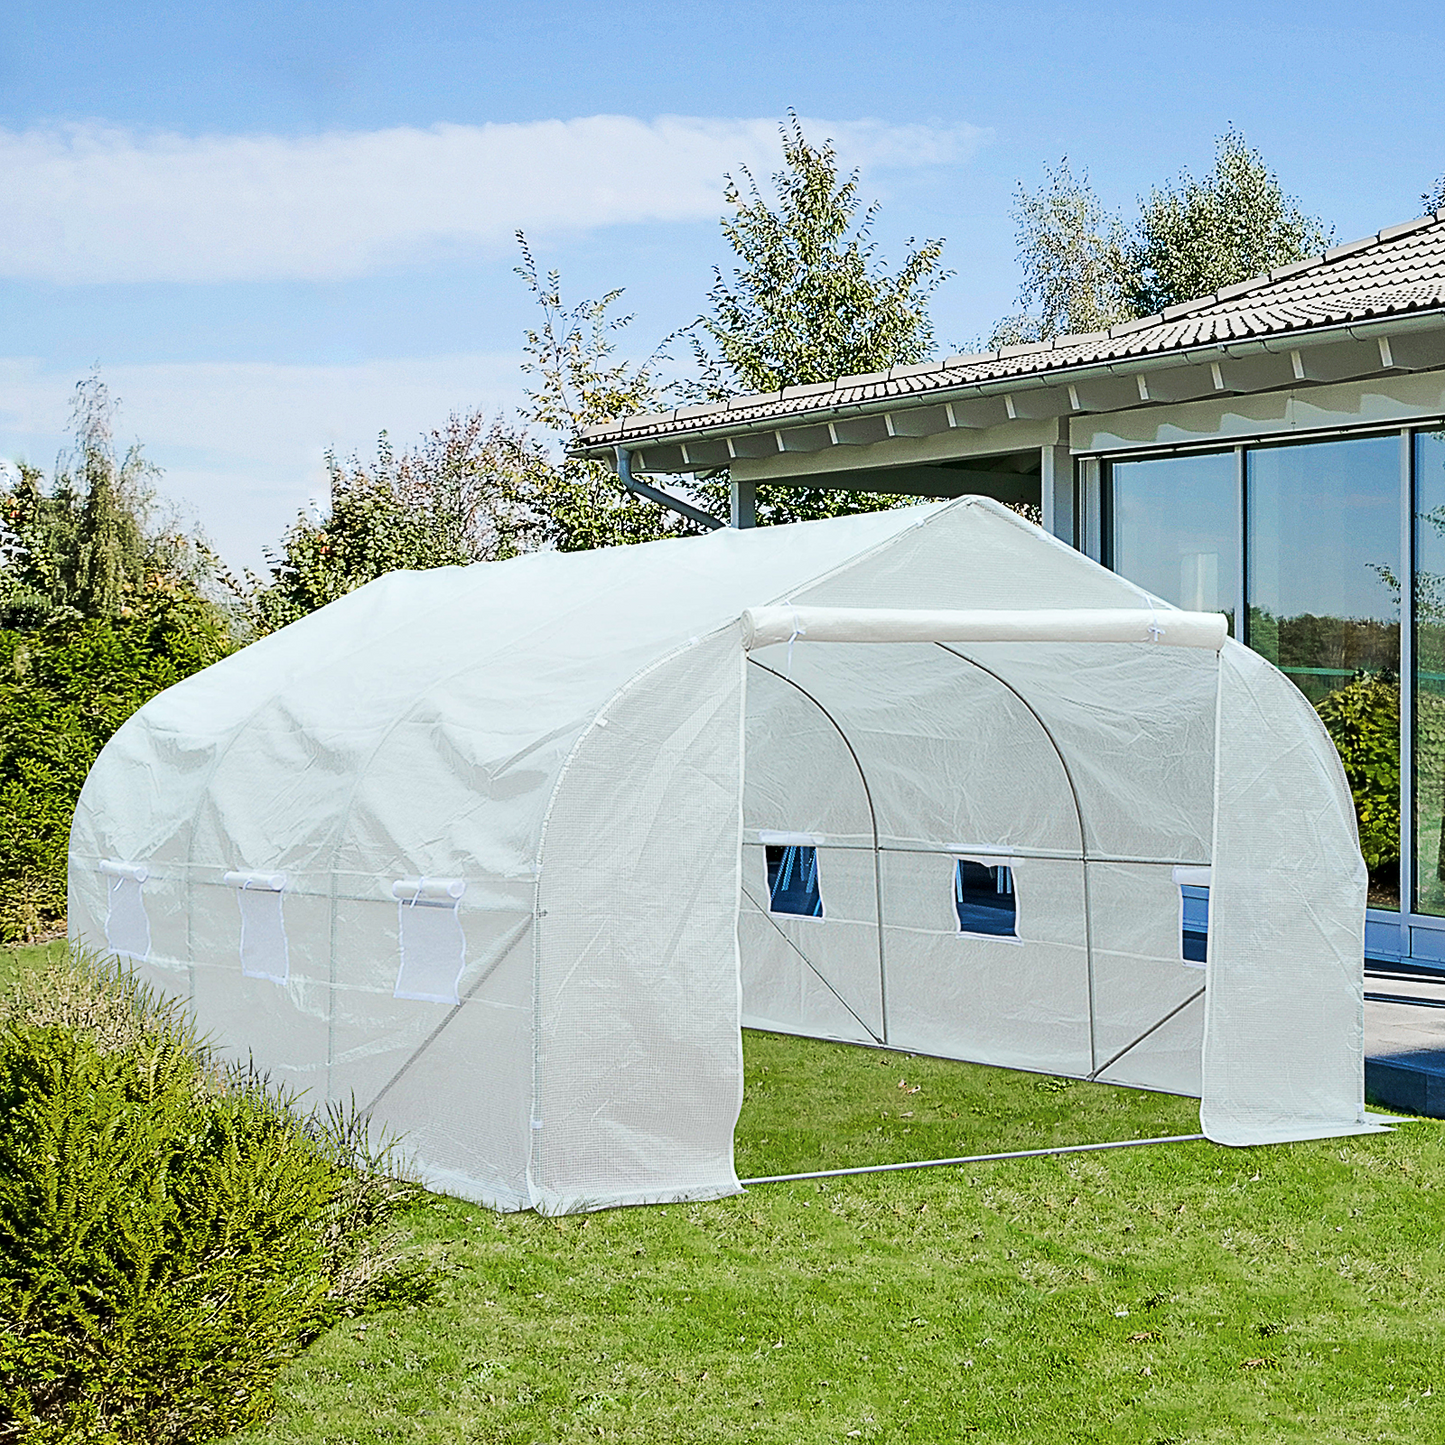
1176	529
1429	720
1324	607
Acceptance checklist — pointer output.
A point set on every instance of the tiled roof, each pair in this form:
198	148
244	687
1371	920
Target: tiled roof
1398	271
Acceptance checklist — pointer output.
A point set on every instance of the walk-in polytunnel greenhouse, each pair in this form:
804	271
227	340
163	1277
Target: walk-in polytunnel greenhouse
508	853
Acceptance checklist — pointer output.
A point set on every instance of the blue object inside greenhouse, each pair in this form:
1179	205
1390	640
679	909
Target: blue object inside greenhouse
984	897
1194	917
793	880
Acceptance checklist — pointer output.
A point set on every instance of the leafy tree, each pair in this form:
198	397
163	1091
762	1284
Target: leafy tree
1084	270
810	301
577	381
92	543
101	606
475	491
1363	720
1196	236
37	545
1434	199
463	495
1074	256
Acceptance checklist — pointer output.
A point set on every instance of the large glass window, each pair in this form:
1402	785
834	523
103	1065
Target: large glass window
1429	721
1176	529
1324	606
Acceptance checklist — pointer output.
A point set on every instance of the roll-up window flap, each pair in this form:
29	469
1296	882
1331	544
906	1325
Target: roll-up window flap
433	946
265	952
127	926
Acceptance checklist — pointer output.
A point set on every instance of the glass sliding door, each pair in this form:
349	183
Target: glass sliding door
1323	592
1429	719
1176	529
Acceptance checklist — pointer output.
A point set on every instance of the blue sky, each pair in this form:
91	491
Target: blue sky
285	227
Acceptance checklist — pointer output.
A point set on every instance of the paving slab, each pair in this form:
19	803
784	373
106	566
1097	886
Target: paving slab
1405	1043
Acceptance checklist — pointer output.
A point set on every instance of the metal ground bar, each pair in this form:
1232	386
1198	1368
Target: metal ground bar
972	1159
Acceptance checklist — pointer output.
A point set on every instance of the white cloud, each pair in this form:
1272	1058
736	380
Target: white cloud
100	204
242	444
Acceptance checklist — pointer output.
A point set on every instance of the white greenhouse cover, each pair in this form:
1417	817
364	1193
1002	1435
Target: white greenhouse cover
503	852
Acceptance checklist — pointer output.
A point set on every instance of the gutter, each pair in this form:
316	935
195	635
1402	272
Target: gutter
656	494
1278	344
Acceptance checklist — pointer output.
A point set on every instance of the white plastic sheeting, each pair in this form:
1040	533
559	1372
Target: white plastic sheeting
523	810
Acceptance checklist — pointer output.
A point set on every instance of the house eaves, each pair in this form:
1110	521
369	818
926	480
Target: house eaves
1374	306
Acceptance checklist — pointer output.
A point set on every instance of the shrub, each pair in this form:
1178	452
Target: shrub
64	689
171	1232
1363	719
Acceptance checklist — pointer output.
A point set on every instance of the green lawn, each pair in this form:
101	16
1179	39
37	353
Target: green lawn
17	960
1165	1294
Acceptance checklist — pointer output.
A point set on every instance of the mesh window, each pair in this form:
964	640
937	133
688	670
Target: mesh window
984	897
433	947
1193	922
127	928
793	880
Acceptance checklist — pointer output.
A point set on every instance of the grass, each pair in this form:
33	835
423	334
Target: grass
1182	1293
23	957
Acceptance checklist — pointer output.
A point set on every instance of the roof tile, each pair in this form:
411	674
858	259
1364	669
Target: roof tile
920	368
1295	268
1338	253
808	388
738	403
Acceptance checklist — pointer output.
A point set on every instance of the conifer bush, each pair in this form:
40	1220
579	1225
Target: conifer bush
171	1231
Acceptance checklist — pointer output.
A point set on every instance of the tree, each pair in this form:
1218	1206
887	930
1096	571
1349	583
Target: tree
64	689
1084	270
1196	236
1074	256
577	382
37	549
1434	199
103	602
479	491
110	557
463	495
811	301
95	542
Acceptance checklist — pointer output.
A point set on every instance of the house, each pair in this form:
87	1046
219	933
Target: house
1275	452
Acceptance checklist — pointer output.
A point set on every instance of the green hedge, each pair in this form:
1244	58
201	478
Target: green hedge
170	1232
64	689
